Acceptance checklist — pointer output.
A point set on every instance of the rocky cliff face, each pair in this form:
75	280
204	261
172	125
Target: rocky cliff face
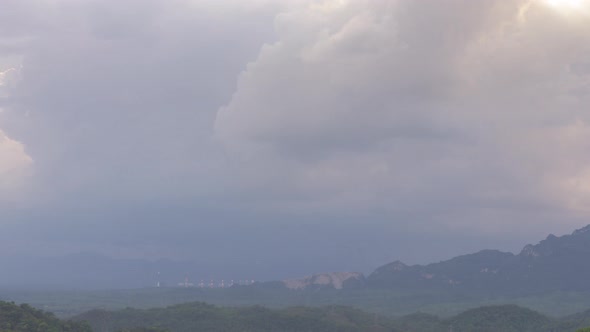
554	264
337	280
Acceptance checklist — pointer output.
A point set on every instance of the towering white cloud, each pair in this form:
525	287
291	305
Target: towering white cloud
15	163
469	110
126	90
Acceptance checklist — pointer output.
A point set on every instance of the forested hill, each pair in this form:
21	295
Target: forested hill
554	264
196	316
24	318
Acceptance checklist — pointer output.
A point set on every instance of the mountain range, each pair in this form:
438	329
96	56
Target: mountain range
554	264
559	264
550	276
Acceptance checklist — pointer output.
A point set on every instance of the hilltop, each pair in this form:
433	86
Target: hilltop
17	318
554	264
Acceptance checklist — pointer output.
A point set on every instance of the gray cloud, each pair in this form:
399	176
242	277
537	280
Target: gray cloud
172	126
460	103
122	97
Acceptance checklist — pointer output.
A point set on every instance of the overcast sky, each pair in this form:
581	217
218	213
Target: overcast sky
297	136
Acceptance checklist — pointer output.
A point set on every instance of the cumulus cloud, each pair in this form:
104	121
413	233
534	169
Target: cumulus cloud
456	108
400	115
15	163
126	91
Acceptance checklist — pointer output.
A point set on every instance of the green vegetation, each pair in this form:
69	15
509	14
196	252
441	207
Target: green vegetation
550	277
384	302
143	329
199	316
204	317
24	318
510	317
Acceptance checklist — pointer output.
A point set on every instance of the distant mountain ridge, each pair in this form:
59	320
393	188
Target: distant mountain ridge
550	276
554	264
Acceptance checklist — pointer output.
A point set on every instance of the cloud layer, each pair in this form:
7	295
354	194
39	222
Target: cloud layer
15	163
394	118
454	106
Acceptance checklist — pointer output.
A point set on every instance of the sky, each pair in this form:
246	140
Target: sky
293	137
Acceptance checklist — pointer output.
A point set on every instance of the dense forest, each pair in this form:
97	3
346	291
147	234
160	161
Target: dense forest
198	316
24	318
204	317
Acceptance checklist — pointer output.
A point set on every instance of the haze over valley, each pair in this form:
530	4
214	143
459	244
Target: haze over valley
385	156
